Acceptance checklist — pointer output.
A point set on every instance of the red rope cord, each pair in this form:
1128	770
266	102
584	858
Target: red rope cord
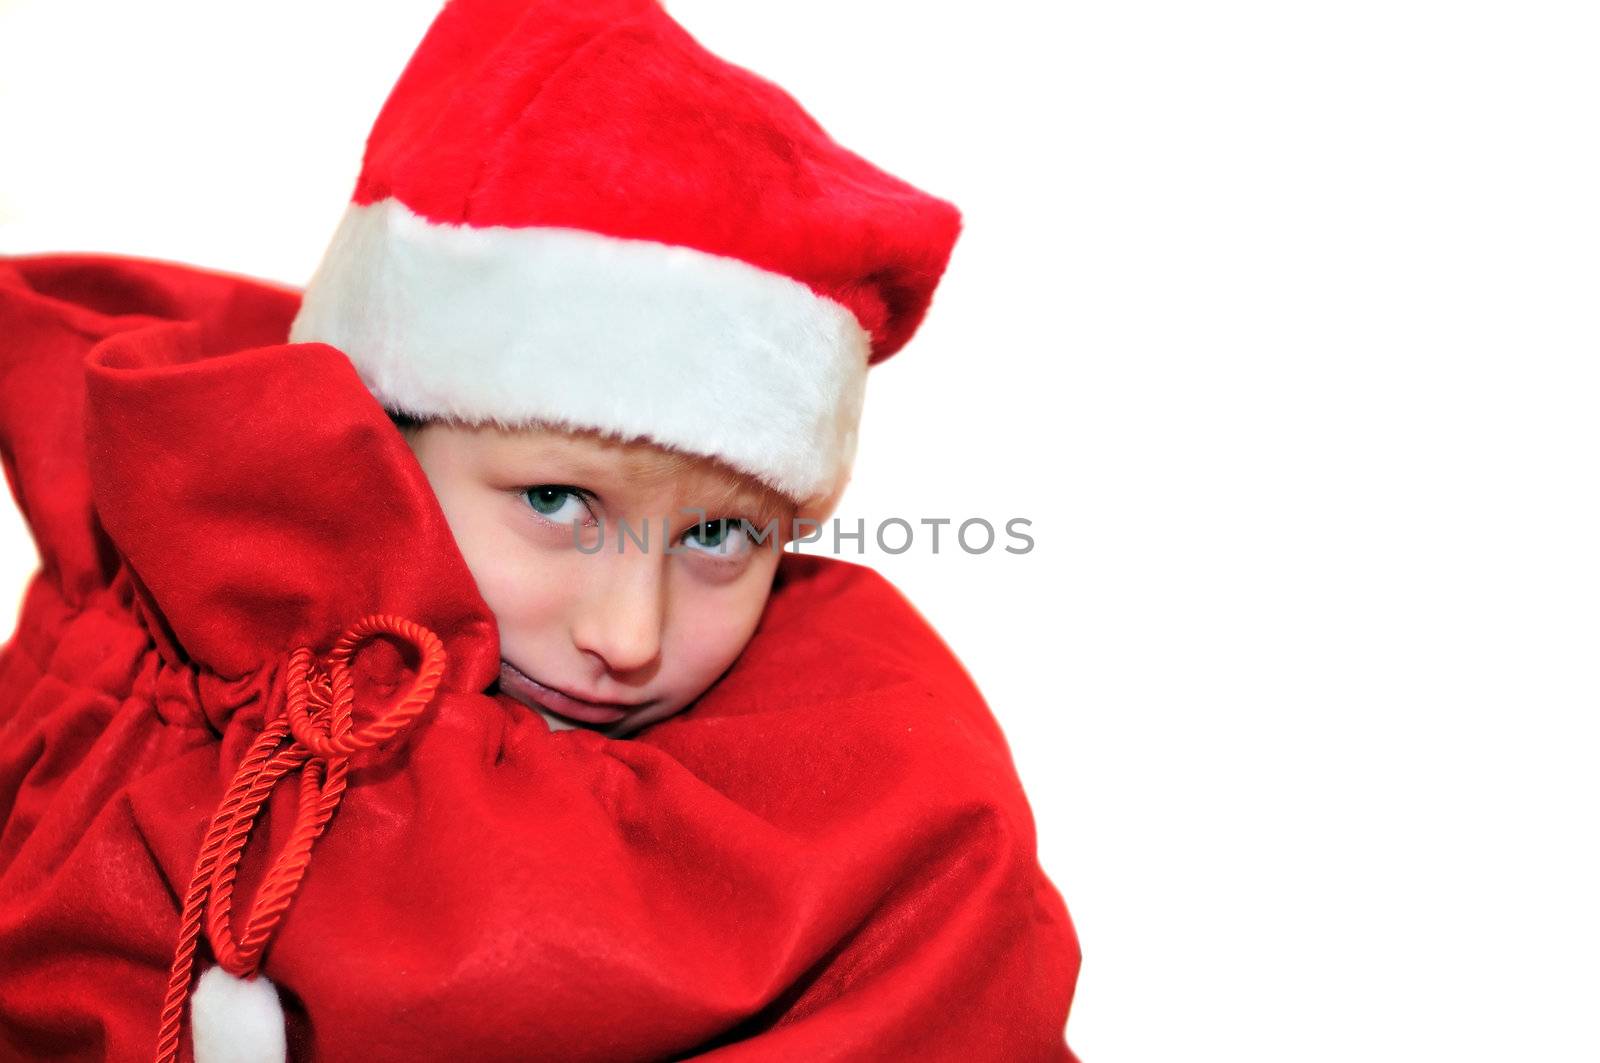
316	733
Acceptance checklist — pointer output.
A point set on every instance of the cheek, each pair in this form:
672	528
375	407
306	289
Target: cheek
711	626
516	593
524	587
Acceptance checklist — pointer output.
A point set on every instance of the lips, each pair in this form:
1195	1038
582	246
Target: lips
530	691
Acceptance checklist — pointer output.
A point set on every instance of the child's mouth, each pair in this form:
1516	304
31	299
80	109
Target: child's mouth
530	691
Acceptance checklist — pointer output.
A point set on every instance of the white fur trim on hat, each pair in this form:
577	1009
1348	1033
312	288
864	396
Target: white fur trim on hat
236	1020
699	352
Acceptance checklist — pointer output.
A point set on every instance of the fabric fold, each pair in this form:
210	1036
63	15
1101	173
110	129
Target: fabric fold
827	857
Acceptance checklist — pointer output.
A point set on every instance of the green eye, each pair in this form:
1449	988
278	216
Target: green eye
711	533
723	536
556	502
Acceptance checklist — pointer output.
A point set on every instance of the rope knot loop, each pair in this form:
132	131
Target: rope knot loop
319	705
316	734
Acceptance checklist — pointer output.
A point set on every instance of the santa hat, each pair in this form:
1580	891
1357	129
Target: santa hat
574	214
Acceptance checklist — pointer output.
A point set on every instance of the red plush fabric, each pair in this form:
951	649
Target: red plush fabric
828	857
608	116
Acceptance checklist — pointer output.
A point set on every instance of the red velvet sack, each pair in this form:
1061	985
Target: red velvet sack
827	857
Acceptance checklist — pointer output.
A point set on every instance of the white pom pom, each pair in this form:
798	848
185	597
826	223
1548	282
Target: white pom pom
236	1020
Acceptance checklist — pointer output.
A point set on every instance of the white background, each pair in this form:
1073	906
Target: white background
1278	320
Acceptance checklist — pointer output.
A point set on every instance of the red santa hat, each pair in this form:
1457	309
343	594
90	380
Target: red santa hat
574	214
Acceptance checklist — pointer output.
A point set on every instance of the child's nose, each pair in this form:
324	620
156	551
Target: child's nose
620	616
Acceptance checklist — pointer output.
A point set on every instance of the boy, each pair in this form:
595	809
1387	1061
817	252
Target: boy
618	603
598	276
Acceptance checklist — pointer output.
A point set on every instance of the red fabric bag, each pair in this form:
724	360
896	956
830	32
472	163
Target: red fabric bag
828	857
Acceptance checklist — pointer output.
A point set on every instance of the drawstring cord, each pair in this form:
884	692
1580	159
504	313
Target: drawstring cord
317	735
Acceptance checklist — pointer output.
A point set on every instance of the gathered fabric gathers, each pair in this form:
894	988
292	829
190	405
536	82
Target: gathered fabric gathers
314	733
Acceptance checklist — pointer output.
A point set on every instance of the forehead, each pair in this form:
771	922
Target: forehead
540	453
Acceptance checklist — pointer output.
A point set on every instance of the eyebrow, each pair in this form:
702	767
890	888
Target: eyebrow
757	508
582	470
577	467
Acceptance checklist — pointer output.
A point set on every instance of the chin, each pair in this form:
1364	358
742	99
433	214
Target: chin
630	726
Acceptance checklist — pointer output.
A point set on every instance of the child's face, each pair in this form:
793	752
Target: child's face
638	627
